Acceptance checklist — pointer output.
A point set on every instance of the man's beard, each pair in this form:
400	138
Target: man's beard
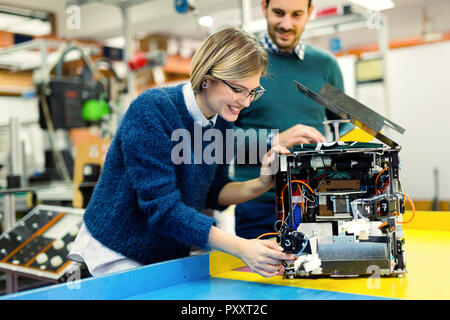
283	45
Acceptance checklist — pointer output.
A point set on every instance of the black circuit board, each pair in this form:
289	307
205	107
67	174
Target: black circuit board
26	244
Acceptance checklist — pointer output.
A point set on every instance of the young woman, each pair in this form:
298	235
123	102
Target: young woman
145	208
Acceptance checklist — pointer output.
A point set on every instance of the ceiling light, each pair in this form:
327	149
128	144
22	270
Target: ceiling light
375	5
7	20
32	27
24	21
116	42
206	21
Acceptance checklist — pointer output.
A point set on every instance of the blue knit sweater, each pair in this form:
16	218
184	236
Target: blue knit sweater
145	206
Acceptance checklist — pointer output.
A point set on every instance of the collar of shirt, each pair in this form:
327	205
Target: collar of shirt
269	45
194	109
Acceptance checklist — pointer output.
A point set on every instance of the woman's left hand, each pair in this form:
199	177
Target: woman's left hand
240	191
269	167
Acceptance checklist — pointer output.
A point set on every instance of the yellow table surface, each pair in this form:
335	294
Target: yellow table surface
427	248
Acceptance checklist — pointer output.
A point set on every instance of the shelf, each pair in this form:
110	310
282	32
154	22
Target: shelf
15	83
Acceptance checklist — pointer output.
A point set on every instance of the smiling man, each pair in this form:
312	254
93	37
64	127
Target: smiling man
282	107
286	21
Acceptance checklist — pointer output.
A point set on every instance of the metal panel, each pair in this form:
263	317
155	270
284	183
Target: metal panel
348	257
348	108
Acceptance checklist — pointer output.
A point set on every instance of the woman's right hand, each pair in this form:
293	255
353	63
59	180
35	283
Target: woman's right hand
263	256
269	167
298	134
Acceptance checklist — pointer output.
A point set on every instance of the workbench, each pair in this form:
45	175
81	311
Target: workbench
218	276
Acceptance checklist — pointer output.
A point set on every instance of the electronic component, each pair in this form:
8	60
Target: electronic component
342	199
294	241
37	245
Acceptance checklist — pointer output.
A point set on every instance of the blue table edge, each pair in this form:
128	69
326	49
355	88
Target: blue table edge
155	277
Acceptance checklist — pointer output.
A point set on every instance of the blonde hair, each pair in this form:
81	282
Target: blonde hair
228	54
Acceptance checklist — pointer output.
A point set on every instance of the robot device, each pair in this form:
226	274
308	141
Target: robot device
340	205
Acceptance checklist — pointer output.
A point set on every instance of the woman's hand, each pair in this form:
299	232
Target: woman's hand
238	192
269	167
264	256
298	134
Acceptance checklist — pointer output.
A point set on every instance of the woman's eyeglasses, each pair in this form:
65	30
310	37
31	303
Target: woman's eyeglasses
254	94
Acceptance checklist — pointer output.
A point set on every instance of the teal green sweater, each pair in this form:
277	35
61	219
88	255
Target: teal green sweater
283	106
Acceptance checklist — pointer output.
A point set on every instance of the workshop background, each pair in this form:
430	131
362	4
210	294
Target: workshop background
394	60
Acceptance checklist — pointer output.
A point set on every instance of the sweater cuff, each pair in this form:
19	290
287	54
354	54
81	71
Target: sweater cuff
203	224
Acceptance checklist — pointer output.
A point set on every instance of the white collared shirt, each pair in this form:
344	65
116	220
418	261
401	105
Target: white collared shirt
194	109
271	46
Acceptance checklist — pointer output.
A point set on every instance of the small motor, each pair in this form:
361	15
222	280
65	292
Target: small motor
294	241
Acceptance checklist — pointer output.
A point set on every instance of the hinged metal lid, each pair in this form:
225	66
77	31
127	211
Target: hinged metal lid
348	108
